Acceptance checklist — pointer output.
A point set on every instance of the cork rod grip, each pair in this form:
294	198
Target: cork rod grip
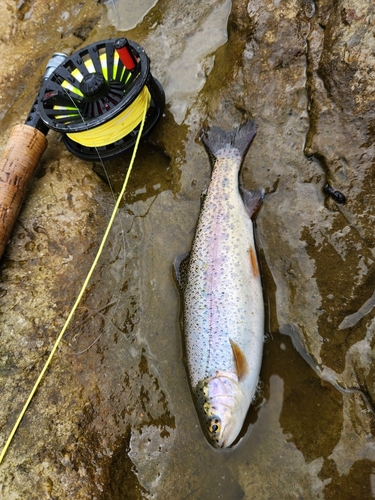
22	154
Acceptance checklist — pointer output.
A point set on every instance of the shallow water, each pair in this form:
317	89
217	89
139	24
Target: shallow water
126	15
117	420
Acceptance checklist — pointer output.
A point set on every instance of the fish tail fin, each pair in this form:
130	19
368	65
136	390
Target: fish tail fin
240	138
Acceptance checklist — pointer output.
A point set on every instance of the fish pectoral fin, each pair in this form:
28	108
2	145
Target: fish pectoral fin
181	266
242	367
252	200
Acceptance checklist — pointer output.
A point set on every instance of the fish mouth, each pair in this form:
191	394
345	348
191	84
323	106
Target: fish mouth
220	402
221	424
221	436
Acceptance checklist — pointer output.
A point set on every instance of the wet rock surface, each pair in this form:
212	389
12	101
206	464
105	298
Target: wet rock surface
113	417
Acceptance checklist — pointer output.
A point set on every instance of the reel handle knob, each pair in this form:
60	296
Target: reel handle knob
21	157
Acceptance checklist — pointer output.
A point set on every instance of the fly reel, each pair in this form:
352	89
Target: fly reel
96	98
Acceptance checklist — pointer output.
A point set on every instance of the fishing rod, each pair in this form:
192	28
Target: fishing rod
104	100
95	98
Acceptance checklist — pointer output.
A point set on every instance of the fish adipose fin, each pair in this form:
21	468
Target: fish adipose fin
242	367
239	138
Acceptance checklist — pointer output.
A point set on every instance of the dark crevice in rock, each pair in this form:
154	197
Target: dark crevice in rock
122	482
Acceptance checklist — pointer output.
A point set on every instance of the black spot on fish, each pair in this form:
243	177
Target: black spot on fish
337	196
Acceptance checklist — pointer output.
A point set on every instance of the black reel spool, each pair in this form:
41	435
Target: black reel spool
95	85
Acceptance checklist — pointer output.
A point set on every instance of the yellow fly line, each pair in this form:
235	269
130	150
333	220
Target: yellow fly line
86	282
117	128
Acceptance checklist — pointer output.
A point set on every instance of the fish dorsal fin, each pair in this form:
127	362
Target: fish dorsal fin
252	200
242	367
181	266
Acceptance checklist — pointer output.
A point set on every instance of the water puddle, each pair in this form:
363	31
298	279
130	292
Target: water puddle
182	48
189	65
127	14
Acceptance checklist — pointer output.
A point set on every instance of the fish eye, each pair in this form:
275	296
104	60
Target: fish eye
214	426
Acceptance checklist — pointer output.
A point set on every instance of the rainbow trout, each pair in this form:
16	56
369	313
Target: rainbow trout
222	293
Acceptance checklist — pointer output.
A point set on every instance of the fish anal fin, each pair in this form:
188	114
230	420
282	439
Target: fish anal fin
252	200
242	367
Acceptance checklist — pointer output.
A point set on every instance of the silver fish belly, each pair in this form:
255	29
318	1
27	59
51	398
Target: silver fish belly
223	300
